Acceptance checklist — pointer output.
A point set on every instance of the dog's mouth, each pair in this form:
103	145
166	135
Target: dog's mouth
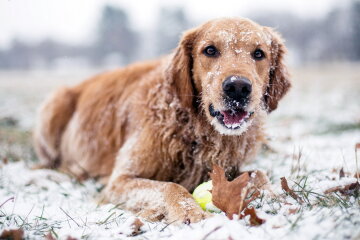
232	118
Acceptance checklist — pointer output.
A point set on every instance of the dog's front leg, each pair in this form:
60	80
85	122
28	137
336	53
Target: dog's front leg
133	184
154	200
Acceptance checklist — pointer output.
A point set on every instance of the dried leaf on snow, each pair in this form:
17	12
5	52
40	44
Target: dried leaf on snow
288	190
341	173
293	211
49	236
14	234
71	238
229	196
260	181
357	146
232	197
254	219
349	189
352	188
357	175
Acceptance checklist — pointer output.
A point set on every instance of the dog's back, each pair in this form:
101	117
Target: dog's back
91	107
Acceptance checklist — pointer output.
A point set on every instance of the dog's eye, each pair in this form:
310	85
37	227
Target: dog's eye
211	51
258	54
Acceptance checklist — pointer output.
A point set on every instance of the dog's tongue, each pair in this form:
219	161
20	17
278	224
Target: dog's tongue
231	117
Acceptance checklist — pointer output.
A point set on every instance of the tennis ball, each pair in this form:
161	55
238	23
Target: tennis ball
203	197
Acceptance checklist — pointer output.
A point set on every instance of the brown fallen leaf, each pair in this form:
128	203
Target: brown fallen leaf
254	219
71	238
229	196
341	173
285	187
277	226
260	181
357	175
293	211
49	236
233	197
255	195
348	190
333	189
13	234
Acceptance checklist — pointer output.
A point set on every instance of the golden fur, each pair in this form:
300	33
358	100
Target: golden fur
146	129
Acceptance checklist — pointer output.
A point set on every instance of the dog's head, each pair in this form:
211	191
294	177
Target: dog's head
236	69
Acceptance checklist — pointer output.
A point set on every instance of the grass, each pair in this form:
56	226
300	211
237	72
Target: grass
318	201
315	203
15	143
39	226
337	128
313	198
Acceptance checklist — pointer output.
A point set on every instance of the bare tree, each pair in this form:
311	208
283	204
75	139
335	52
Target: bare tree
171	23
114	35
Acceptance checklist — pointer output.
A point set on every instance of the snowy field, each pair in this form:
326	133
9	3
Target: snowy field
311	137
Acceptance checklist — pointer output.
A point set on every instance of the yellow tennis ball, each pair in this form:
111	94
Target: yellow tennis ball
203	197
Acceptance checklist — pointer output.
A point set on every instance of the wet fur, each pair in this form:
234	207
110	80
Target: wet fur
145	131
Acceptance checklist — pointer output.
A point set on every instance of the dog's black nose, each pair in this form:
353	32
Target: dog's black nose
237	88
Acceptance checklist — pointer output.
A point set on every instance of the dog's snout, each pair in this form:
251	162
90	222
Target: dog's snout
237	88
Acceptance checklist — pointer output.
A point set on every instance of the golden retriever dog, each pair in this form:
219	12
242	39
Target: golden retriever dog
153	130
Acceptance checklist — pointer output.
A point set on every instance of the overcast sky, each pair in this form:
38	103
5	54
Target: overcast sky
73	21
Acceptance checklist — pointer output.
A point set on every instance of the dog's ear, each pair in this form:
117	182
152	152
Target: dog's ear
179	71
279	80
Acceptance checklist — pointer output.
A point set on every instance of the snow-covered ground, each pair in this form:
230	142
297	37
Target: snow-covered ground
311	137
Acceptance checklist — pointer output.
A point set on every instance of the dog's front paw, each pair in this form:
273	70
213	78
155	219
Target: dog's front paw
186	214
182	208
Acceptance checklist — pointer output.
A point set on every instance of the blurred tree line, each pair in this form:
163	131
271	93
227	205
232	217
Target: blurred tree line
335	37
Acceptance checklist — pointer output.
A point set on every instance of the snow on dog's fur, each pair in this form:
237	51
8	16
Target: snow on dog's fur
153	130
